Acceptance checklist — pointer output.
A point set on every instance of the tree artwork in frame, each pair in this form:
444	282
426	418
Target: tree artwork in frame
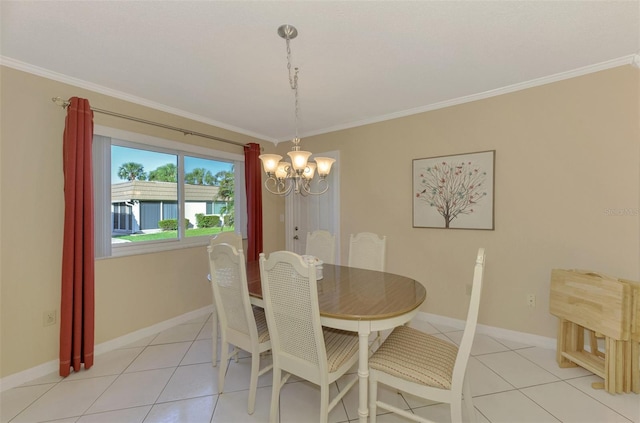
454	192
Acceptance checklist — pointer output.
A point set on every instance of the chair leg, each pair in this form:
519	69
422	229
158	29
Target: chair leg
324	403
468	400
224	363
456	409
275	394
377	340
214	336
373	397
253	384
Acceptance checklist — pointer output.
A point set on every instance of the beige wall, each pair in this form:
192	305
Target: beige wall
565	153
131	292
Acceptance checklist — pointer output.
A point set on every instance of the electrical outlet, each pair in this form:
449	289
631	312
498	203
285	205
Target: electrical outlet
531	300
49	318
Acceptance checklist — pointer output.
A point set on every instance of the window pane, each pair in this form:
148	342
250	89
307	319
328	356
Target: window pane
169	210
122	217
149	215
208	181
220	207
144	195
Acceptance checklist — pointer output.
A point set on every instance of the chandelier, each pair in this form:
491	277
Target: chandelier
284	177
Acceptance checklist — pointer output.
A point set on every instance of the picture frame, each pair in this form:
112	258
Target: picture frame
454	191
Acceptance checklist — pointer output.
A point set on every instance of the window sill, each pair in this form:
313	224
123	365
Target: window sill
151	247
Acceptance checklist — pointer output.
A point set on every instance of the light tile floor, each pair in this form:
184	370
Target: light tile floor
169	378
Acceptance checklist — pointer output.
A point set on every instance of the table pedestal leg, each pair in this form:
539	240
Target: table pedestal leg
363	371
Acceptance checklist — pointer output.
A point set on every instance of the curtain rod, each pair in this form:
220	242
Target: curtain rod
65	103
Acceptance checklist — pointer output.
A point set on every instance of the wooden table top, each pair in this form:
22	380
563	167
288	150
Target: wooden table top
356	294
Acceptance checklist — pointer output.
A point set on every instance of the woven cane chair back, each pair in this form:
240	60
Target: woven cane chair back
290	293
367	251
321	244
229	292
230	238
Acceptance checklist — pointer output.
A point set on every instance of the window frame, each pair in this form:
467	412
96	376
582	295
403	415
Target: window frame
102	190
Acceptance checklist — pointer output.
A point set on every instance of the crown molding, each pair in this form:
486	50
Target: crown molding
35	70
632	59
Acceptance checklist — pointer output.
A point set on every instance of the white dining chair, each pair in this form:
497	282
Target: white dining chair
368	251
321	244
425	366
234	239
241	325
300	345
229	237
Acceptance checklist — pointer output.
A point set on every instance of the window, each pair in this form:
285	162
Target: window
154	194
218	207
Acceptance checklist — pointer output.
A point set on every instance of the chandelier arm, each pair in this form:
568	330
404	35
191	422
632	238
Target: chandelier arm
278	187
307	187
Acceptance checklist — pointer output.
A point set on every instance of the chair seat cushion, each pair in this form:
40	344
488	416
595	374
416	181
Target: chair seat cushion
341	346
415	356
261	324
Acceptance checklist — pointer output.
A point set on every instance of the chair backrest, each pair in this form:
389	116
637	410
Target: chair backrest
290	294
321	244
230	289
367	251
229	237
464	350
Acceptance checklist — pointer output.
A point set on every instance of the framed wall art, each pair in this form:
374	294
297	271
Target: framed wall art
454	192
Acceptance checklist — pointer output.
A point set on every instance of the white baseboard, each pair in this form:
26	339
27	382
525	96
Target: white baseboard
132	337
25	376
52	366
44	369
505	334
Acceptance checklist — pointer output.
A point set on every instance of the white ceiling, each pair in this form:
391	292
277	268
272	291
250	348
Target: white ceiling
360	61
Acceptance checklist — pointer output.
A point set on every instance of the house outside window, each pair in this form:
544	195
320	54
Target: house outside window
158	195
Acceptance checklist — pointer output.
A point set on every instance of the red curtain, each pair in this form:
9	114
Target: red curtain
77	302
253	181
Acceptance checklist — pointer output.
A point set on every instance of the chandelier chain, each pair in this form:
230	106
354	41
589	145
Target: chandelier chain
293	83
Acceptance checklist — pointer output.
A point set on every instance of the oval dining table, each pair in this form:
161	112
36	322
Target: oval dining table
357	300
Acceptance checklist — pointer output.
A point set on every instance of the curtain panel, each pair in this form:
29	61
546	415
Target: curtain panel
77	288
253	183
